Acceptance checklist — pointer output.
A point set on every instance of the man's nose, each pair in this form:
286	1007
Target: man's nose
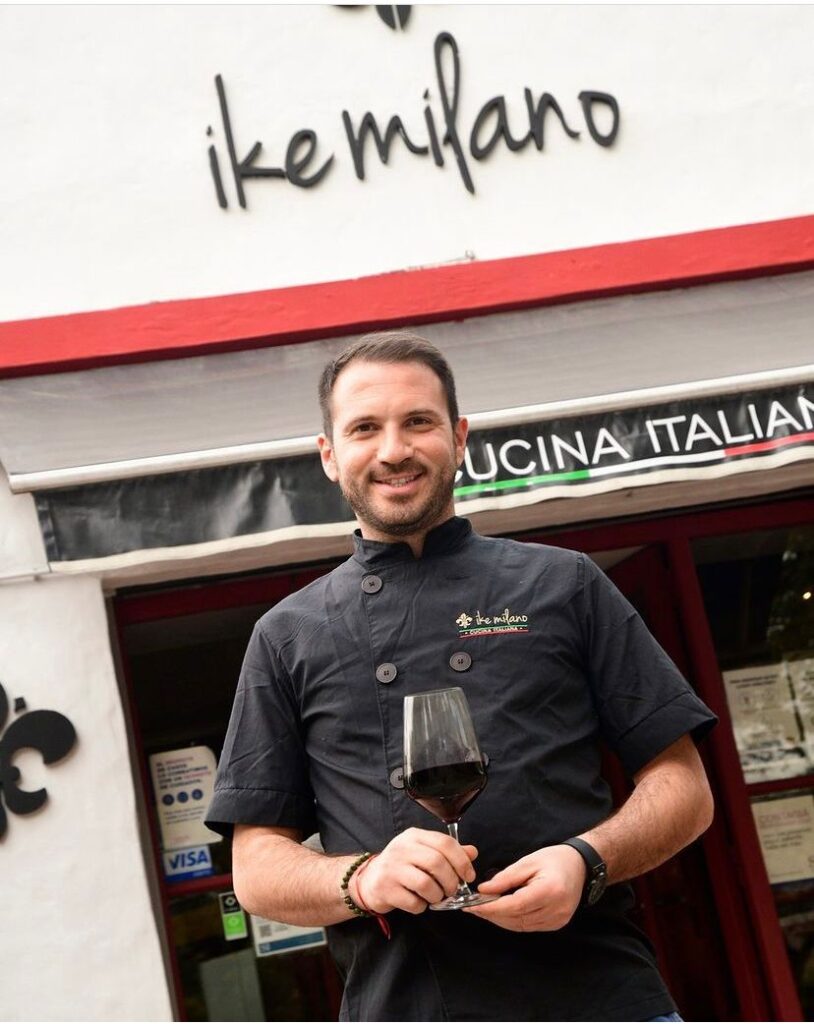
394	446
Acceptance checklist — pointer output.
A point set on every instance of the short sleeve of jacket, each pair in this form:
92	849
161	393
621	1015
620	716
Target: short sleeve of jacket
262	776
643	702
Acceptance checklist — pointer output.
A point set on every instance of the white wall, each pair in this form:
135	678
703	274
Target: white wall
106	197
80	939
22	551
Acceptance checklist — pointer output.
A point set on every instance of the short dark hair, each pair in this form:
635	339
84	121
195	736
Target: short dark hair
387	347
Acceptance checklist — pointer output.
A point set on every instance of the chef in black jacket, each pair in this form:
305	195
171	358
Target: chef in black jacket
552	659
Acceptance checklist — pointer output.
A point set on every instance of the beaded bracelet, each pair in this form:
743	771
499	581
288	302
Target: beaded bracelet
347	899
360	863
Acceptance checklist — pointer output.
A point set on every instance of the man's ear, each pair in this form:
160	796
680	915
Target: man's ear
461	432
326	454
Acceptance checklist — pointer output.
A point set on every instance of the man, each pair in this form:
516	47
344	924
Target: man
315	740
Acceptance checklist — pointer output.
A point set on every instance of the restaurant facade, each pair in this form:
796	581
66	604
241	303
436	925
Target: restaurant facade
603	217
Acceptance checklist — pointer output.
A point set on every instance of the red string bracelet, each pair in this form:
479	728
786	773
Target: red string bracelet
384	924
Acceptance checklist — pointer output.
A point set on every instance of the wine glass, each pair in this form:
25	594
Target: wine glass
443	767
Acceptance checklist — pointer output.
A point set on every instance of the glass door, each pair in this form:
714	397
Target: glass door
181	652
758	592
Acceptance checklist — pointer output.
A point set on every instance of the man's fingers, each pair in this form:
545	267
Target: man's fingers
522	911
402	886
426	886
416	868
448	863
516	904
441	841
509	878
548	885
458	857
404	899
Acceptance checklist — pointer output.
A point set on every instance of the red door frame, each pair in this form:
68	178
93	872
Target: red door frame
676	534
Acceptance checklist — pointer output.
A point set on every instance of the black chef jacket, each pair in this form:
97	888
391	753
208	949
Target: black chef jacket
552	659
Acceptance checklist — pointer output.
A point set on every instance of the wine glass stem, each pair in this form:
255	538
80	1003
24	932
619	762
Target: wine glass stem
463	888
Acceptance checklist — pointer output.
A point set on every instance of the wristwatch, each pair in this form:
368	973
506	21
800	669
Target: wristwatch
597	877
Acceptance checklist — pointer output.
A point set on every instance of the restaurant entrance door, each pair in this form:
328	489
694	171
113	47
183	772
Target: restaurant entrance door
728	593
690	906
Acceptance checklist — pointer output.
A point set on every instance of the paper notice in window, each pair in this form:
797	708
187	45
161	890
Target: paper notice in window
184	782
768	730
785	826
273	937
801	674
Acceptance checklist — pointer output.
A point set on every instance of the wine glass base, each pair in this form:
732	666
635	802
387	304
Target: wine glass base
461	902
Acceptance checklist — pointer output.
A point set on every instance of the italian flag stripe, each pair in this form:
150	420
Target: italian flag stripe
767	446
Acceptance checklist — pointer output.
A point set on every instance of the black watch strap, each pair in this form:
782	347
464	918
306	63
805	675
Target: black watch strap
597	877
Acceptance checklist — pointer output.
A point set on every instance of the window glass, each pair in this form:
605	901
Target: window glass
225	979
758	591
182	671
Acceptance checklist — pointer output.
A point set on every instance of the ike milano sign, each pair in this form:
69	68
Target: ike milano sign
435	132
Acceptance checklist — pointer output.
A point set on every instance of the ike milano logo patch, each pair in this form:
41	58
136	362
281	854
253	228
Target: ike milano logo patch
477	624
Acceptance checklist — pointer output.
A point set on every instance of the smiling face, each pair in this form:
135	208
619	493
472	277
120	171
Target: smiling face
394	452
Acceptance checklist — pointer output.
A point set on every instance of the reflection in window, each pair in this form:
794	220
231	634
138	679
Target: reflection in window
758	596
758	593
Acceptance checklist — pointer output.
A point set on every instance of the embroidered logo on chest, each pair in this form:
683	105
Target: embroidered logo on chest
478	625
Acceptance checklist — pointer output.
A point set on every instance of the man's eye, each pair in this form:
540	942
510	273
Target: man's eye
363	428
419	421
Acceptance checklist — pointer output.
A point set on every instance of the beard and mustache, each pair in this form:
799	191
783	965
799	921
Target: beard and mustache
411	516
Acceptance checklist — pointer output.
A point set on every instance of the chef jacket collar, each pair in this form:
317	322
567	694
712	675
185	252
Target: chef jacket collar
441	540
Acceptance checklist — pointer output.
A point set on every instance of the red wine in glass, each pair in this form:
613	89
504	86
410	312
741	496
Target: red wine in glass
447	789
443	767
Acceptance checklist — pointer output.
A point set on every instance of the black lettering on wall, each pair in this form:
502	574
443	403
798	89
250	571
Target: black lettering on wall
368	126
295	165
214	167
49	733
490	128
242	168
432	131
537	115
449	101
494	108
588	98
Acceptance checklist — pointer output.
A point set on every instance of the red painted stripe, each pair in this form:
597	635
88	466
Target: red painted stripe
766	446
286	315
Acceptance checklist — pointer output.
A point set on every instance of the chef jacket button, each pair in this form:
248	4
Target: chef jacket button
386	673
460	661
372	584
397	778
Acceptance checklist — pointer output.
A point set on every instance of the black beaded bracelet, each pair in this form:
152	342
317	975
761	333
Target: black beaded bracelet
347	899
